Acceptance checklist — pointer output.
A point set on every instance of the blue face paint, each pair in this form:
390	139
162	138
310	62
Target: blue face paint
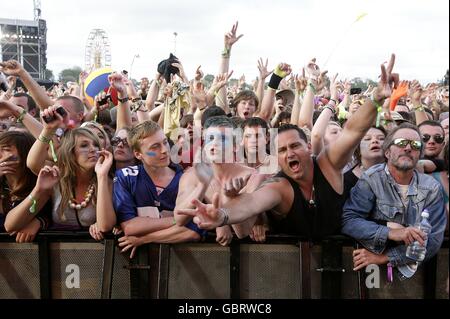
152	154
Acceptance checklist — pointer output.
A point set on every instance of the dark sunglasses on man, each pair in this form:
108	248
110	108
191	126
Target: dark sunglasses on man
438	138
403	142
115	141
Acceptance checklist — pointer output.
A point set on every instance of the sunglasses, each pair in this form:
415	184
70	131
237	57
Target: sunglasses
403	142
115	141
438	138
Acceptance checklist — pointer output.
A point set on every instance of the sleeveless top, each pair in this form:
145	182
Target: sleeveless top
312	221
74	220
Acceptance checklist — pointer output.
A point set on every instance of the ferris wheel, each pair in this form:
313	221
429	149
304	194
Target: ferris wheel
98	50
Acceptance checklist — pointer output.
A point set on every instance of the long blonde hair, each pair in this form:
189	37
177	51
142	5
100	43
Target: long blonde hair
68	166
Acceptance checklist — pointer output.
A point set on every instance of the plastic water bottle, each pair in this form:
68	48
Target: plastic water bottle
415	250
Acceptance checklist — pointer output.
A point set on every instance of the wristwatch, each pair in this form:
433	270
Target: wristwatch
123	100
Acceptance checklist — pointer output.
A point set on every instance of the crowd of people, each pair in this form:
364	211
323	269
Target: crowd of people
173	158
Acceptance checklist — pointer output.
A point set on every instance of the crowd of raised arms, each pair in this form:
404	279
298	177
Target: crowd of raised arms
172	158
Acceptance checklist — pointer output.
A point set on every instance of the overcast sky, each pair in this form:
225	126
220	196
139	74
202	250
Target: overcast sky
290	31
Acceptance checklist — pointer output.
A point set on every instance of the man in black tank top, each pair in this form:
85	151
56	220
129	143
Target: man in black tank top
306	197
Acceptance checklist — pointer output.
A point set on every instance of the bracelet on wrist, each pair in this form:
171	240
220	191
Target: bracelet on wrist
21	116
33	207
226	217
44	139
313	88
226	52
379	110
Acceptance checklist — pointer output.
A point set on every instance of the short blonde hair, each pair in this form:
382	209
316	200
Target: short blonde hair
141	131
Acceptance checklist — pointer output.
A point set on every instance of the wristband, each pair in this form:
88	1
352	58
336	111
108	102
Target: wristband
226	53
313	88
21	116
379	110
225	217
33	206
123	100
275	81
335	102
44	139
330	108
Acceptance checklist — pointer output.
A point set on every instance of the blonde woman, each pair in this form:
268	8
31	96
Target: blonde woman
78	183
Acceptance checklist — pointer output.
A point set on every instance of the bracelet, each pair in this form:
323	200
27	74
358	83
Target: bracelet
313	88
123	100
21	116
330	108
44	139
226	53
33	206
335	102
174	222
225	217
379	110
418	108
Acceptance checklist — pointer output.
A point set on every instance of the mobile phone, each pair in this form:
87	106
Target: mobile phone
125	72
60	110
355	91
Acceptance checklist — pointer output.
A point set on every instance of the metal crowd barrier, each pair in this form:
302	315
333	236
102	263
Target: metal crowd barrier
283	267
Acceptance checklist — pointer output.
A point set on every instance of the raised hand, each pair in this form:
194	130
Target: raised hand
334	93
235	185
283	70
101	101
415	92
300	81
116	81
12	67
198	74
181	69
387	82
321	81
104	163
82	77
221	80
58	121
313	70
399	92
206	216
231	38
262	67
48	177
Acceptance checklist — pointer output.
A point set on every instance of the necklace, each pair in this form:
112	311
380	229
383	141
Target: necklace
87	197
311	200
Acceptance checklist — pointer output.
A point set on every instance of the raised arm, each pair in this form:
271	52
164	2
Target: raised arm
281	71
315	84
153	92
229	40
21	115
415	93
13	67
300	86
38	154
123	108
320	127
263	74
340	152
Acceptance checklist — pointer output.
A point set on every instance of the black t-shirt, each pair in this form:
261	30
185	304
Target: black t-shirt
350	180
312	221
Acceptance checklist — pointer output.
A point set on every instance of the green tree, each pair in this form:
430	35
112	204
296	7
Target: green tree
72	74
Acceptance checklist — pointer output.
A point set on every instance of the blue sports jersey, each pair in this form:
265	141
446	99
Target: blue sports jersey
133	188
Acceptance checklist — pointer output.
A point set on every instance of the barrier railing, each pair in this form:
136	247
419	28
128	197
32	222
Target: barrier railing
73	265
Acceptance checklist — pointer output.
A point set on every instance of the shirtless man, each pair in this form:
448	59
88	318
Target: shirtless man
221	175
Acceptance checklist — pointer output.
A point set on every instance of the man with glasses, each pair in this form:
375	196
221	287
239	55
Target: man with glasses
433	137
388	200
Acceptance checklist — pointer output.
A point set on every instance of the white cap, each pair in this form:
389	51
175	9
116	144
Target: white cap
425	213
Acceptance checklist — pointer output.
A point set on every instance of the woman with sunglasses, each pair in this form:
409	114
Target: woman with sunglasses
78	183
123	155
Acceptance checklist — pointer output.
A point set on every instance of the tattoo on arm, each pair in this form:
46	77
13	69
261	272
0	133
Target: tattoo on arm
268	181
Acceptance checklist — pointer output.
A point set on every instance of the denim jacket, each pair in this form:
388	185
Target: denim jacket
376	197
